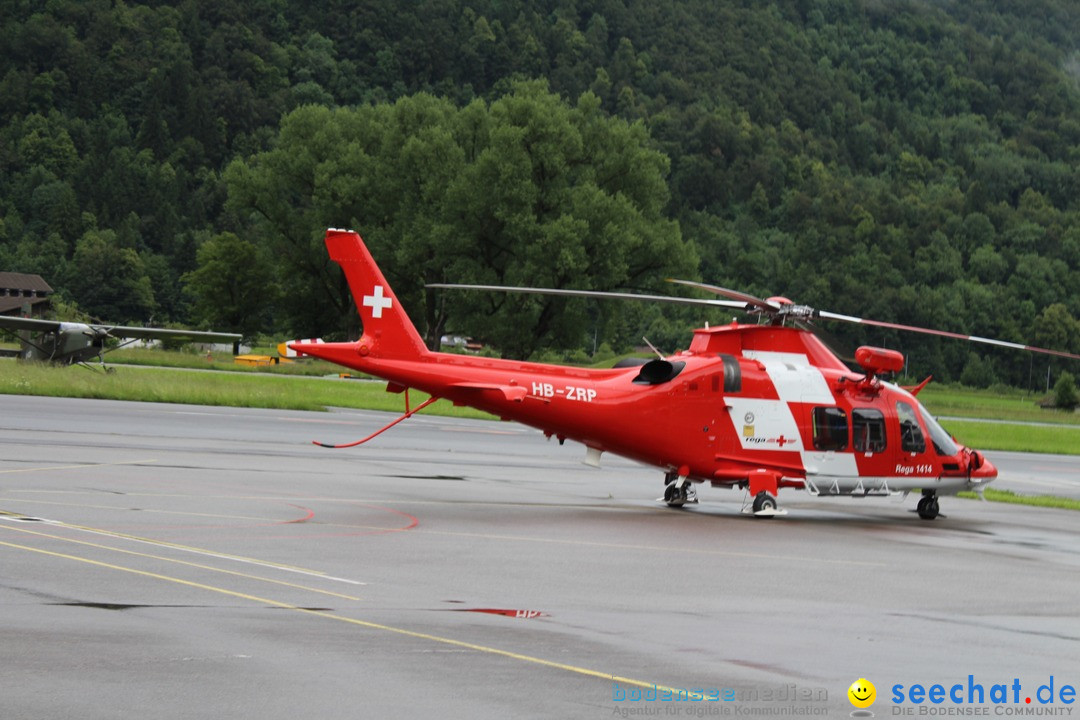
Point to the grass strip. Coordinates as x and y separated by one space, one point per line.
219 361
1008 496
1057 439
1008 404
194 387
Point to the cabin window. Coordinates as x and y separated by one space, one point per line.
830 428
868 430
911 436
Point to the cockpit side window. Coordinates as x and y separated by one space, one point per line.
911 436
939 437
868 430
830 428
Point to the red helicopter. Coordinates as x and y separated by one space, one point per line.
753 406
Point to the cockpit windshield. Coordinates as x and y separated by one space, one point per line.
943 442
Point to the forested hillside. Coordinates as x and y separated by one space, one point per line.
908 161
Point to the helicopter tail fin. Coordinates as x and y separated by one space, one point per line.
388 331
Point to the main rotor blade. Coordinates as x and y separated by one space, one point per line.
592 294
742 297
944 333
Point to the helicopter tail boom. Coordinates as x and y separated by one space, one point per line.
388 333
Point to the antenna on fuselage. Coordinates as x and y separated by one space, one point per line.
652 347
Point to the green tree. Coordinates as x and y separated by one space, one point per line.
1056 328
109 281
525 191
1066 396
987 265
233 286
977 372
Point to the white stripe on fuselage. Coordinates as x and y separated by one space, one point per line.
794 378
774 426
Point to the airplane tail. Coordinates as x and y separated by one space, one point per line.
388 331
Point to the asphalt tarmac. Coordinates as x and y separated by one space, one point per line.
165 561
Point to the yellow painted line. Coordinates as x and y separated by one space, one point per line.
211 553
77 467
178 562
354 621
211 516
266 522
195 550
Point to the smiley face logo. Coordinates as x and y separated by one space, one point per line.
862 693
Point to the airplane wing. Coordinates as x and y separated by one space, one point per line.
9 322
117 331
143 333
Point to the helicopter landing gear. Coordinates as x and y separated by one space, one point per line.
928 506
763 487
764 501
764 505
678 491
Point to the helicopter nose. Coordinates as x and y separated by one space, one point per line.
982 470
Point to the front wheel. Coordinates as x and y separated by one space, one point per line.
674 496
928 507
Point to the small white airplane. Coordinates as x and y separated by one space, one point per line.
68 343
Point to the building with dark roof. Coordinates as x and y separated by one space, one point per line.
21 293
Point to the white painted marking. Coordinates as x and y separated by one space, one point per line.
774 356
771 425
377 302
207 553
794 378
830 464
77 467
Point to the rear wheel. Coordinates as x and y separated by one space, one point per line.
676 496
764 501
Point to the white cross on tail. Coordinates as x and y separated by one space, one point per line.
377 302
